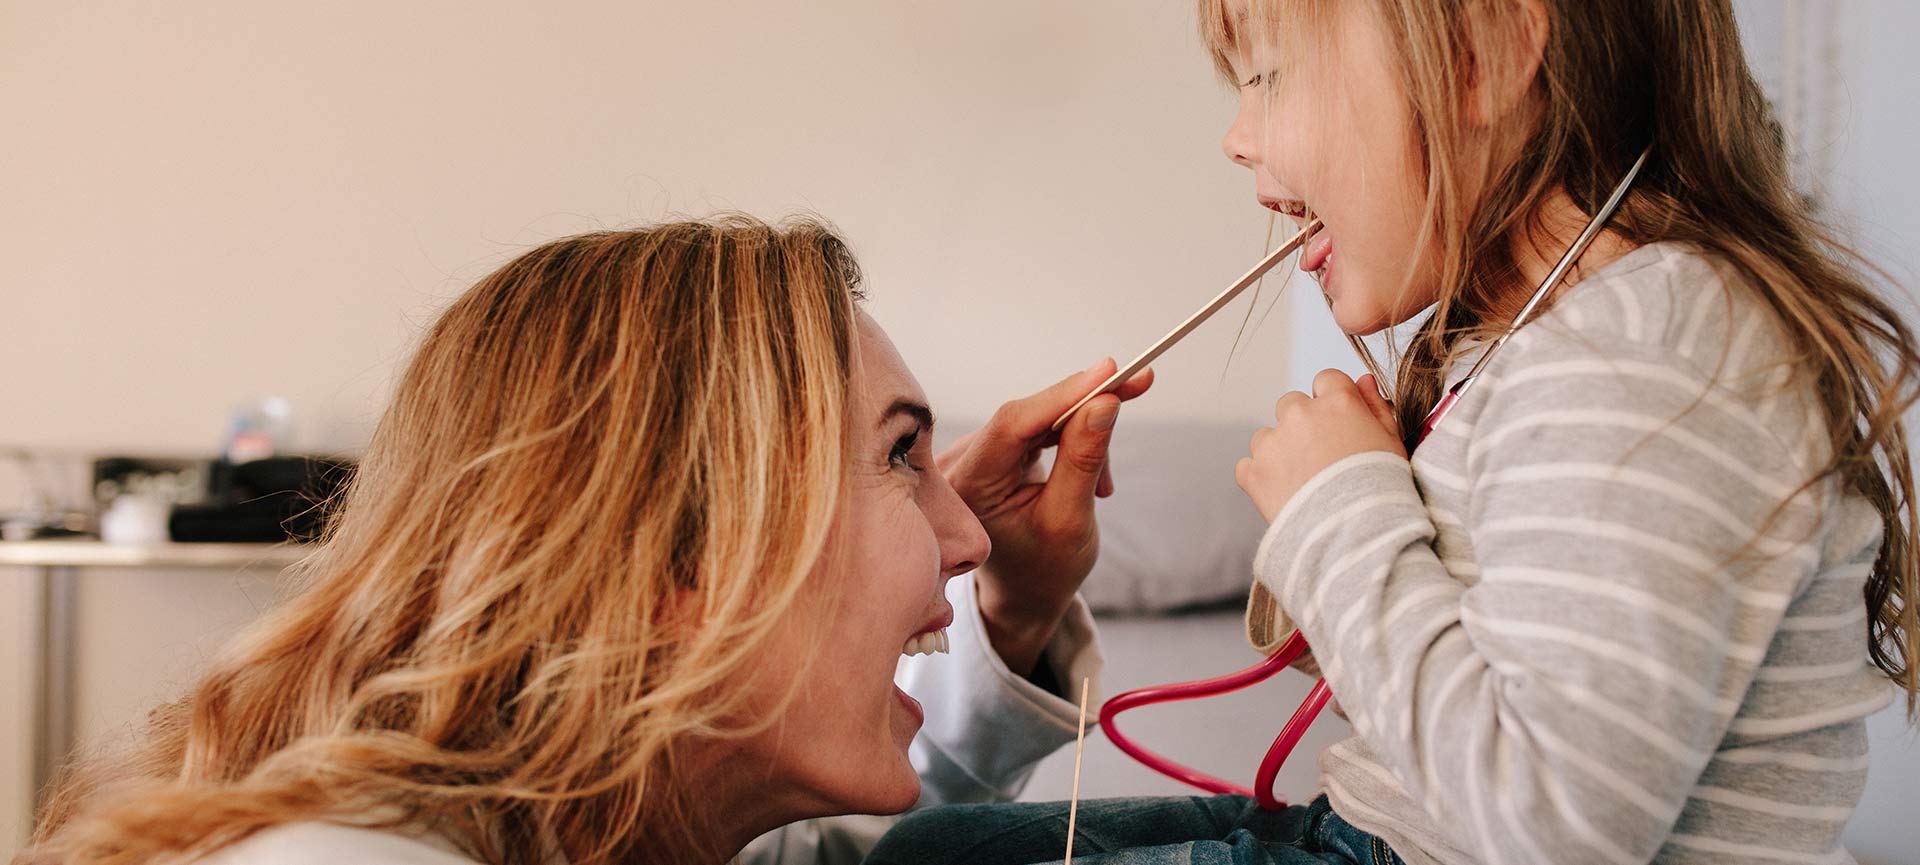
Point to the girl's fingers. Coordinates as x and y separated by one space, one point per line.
1370 392
1291 400
1330 381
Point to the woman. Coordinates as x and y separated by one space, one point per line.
625 576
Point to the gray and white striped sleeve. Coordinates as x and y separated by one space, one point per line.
1560 703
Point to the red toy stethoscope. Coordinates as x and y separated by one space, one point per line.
1296 644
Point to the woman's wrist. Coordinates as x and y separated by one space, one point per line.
1017 628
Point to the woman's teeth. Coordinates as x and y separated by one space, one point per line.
926 644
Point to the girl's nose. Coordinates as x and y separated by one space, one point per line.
1235 153
1238 145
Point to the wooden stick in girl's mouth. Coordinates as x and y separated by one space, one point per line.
1193 321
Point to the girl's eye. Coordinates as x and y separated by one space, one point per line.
1254 81
902 449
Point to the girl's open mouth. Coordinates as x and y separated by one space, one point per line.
1318 253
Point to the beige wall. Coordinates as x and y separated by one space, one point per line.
207 201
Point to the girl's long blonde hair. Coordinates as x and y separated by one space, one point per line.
605 475
1616 76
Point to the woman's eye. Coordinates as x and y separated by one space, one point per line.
902 449
1254 81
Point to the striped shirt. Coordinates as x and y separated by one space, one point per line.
1597 618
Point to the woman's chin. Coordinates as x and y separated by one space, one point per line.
891 792
885 781
902 796
897 785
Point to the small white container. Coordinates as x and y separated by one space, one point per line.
136 519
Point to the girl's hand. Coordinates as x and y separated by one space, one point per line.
1341 419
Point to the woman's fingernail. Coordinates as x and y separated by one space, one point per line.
1100 418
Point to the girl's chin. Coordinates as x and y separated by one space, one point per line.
1346 313
1356 317
1357 322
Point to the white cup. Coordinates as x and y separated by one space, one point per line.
136 519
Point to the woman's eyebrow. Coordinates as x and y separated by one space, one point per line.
917 410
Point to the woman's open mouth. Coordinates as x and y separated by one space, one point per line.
911 705
932 636
930 640
927 643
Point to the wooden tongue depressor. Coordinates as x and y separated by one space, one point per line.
1186 327
1079 746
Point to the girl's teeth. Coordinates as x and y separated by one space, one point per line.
928 643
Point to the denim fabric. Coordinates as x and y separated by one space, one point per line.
1147 831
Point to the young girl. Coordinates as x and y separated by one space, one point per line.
1631 600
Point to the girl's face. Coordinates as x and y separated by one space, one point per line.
902 533
1324 124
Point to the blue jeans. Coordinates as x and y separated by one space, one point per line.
1197 830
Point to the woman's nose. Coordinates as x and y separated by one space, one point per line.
964 544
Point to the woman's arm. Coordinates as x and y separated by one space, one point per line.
1041 521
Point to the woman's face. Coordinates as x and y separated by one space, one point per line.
1324 123
901 535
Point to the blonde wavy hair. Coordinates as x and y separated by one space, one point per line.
1616 76
608 471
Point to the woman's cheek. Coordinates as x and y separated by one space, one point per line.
926 508
910 557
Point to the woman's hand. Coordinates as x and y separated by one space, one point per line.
1044 536
1341 419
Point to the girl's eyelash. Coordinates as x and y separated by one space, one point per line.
1262 78
902 448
